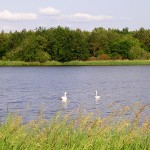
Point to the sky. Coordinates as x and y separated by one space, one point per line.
83 14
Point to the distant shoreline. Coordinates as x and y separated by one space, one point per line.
78 63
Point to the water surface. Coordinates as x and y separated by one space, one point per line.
30 89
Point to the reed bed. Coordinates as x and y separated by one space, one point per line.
108 63
78 63
81 132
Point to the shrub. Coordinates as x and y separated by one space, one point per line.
117 57
136 52
103 57
42 56
146 55
92 58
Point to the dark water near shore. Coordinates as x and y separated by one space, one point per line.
30 89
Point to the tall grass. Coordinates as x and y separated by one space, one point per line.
108 63
22 63
76 133
78 63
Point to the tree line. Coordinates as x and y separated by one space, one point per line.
64 44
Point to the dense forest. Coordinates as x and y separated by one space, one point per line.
64 44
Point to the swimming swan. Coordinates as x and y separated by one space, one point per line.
64 98
96 96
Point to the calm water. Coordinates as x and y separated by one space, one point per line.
29 89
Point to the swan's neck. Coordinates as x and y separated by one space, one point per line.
65 94
96 93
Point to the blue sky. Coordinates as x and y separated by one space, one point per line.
83 14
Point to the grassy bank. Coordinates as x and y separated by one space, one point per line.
81 132
78 63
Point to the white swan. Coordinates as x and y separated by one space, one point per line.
96 96
64 98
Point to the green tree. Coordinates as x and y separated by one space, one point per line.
3 40
144 37
123 45
41 56
66 45
113 37
98 41
33 49
79 45
136 52
63 44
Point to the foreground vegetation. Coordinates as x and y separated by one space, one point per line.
63 44
115 132
78 63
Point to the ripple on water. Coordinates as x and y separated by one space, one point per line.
43 86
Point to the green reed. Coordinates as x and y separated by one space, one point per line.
83 131
78 63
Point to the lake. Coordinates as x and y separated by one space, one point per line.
28 90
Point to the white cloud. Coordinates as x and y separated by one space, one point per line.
80 17
77 17
49 11
87 17
7 15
